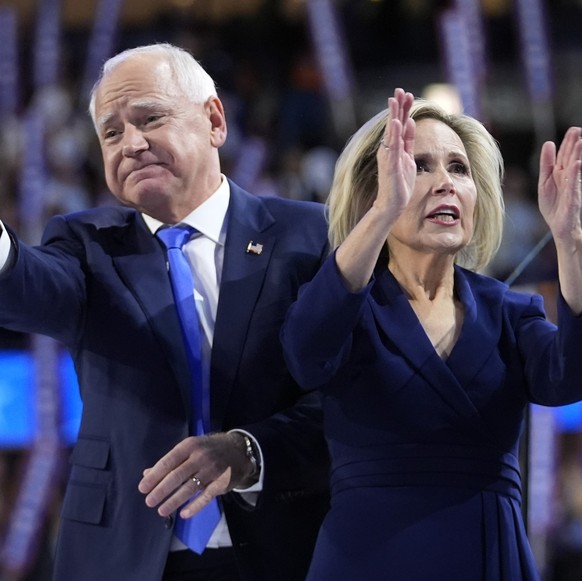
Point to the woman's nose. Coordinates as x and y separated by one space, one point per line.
444 183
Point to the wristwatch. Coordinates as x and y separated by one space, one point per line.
253 455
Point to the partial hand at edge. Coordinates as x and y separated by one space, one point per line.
559 193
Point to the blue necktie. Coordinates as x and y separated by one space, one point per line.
196 531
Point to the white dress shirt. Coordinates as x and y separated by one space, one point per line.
5 246
205 253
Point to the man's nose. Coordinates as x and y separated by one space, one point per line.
134 142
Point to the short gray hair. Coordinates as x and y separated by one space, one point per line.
190 76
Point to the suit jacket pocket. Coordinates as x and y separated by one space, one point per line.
89 482
91 452
84 503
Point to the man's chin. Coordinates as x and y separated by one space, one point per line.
148 201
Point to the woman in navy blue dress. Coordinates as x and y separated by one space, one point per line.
425 365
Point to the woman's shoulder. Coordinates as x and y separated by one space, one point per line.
491 290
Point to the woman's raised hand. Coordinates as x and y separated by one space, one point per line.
395 157
559 193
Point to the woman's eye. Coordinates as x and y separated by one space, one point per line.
459 167
421 166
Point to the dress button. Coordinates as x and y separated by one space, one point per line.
169 522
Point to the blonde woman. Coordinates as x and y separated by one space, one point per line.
425 365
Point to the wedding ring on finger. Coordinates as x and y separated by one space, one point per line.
197 482
383 144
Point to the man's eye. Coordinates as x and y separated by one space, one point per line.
110 133
421 166
152 118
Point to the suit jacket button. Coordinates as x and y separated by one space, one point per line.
169 522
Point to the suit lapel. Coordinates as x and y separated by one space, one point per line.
242 278
449 379
481 329
144 272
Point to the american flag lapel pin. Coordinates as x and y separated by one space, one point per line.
254 248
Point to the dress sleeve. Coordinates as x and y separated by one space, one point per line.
317 333
553 355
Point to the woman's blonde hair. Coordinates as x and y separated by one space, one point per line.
355 183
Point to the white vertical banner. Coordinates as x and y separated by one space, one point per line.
535 53
101 42
459 60
43 473
534 48
472 14
9 91
43 469
32 177
540 484
332 57
47 44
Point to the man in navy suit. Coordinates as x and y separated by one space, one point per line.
99 284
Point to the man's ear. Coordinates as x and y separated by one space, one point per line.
215 112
